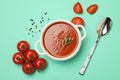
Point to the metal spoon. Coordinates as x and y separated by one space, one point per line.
103 28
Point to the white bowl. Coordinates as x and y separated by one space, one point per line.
44 52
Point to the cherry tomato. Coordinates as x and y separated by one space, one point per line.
40 63
92 8
28 68
18 58
31 55
77 21
22 46
78 8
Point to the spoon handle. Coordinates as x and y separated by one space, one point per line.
84 67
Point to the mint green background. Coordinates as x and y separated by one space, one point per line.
14 18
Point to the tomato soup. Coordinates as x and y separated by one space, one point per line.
60 39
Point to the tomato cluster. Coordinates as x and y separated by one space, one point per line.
28 58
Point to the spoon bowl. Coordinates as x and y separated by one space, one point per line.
104 26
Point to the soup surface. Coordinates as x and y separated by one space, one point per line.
60 39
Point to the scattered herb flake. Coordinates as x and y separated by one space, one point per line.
48 18
30 29
36 26
33 23
32 35
41 17
31 19
26 28
45 13
40 22
28 33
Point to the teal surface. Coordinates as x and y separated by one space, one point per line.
15 17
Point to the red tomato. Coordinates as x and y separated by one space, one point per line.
18 58
92 8
28 68
31 55
77 21
22 46
78 8
40 63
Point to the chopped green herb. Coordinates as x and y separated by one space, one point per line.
42 20
41 17
33 23
28 33
67 41
36 26
32 35
48 18
31 19
30 29
45 13
26 28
